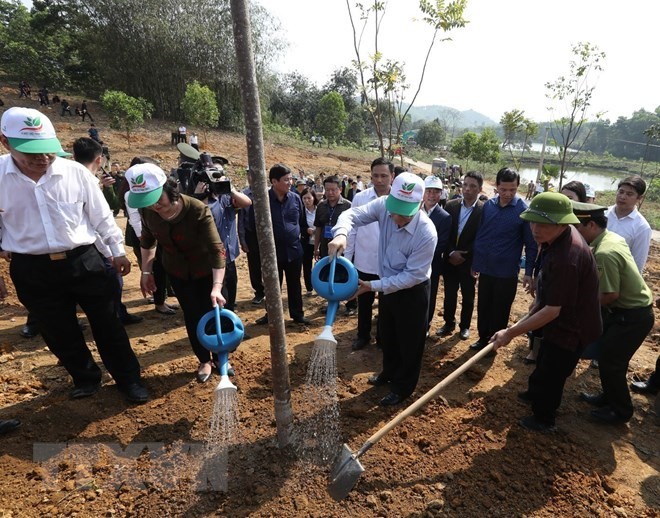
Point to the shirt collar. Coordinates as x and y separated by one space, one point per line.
471 206
428 212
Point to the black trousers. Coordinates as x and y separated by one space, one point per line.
365 304
230 285
433 295
455 279
402 327
546 383
623 333
194 296
51 289
494 305
307 261
254 264
292 271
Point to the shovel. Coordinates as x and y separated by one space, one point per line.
347 468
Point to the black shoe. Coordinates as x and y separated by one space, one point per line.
464 334
445 330
593 399
525 397
478 345
391 399
377 381
85 390
262 321
349 312
606 415
535 425
302 320
644 387
257 300
29 331
8 425
131 319
529 361
360 343
135 393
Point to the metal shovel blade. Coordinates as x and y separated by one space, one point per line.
344 474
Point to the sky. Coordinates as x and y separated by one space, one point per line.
500 61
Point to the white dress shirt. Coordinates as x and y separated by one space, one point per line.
65 209
635 230
362 247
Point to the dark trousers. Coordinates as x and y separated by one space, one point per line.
230 285
254 264
623 333
455 279
307 261
494 305
292 271
402 327
194 296
365 304
435 283
87 114
654 379
51 289
546 384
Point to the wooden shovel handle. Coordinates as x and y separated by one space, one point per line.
428 396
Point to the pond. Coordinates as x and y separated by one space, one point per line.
598 179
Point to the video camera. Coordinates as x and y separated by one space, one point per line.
206 169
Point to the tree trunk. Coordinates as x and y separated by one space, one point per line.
256 160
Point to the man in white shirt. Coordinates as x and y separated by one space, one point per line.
52 213
362 248
624 219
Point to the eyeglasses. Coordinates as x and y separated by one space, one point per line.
542 214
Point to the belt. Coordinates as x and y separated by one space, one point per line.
57 256
630 310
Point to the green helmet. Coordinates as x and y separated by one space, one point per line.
550 207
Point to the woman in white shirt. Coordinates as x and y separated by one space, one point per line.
307 236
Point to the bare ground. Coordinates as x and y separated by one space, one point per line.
462 455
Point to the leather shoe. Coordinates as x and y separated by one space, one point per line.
29 331
82 391
135 392
478 345
131 319
535 425
445 330
593 399
391 399
302 320
202 374
606 415
262 321
464 334
8 425
359 343
377 380
525 397
644 387
258 299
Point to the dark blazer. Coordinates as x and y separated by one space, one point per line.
466 239
442 222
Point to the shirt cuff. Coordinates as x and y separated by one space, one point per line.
377 285
117 250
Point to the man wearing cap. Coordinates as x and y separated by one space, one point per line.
442 222
53 211
497 250
406 246
626 301
566 308
465 216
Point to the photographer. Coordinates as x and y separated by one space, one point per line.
223 206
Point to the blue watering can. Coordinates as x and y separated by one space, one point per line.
229 331
334 279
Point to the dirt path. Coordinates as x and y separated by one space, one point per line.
462 455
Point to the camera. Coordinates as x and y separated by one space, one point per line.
208 170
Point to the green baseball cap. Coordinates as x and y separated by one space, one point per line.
550 207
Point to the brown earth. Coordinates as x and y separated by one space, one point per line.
462 455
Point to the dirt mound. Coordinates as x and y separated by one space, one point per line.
462 455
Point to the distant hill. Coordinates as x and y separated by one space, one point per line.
467 118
